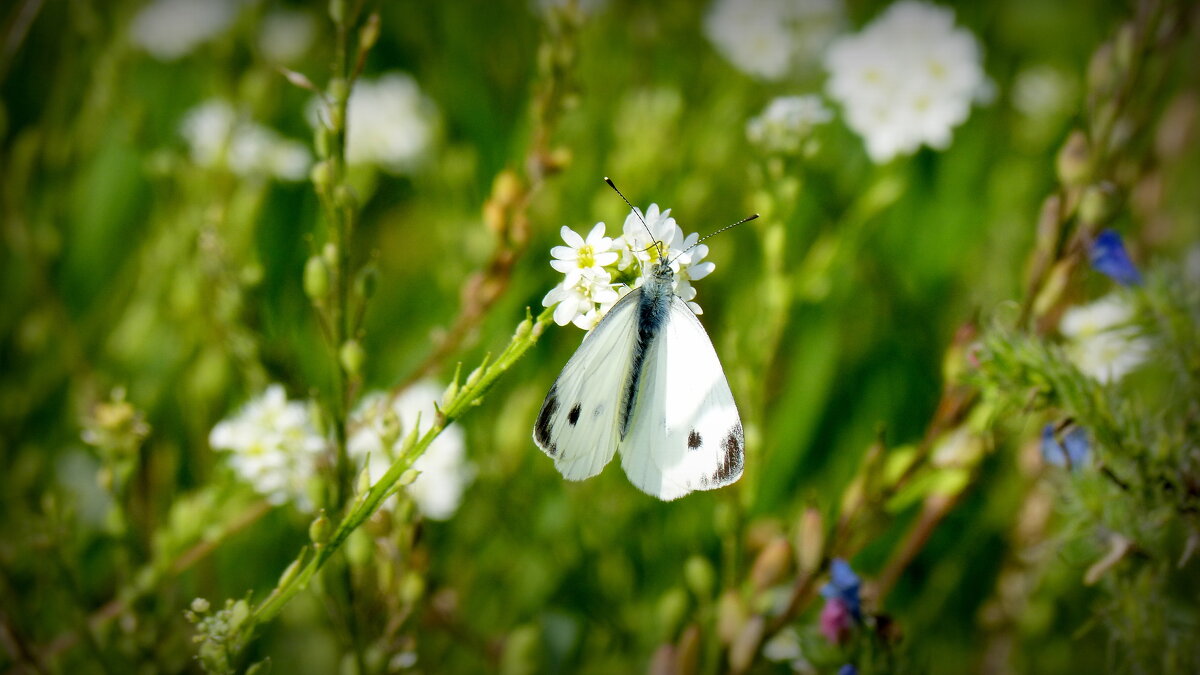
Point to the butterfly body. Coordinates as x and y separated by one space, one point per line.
647 383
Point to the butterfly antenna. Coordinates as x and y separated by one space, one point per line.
636 212
713 234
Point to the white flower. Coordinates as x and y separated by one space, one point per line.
686 262
579 254
169 29
390 123
444 469
640 234
771 38
907 79
217 137
583 301
1043 90
787 122
286 35
273 446
1103 342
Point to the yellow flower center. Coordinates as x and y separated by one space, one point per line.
587 256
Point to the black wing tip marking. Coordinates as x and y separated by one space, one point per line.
731 464
542 429
573 416
694 440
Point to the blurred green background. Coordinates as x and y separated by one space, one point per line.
128 264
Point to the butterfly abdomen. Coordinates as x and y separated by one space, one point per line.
654 304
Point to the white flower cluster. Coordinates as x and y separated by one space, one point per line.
1102 340
272 445
787 123
770 39
169 29
444 470
389 123
217 136
598 270
907 79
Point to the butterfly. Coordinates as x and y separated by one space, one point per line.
646 383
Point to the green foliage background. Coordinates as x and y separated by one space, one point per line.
124 265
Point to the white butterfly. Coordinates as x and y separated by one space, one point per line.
645 382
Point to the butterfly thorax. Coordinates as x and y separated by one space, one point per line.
654 304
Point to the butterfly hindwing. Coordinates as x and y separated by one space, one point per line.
685 433
578 422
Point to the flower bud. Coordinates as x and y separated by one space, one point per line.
321 141
1101 72
1098 203
523 329
506 188
772 564
200 606
412 587
320 529
337 10
731 615
321 176
687 651
699 575
367 281
407 478
290 572
352 356
672 607
345 197
316 278
1053 288
745 645
369 34
363 484
390 428
1074 160
810 540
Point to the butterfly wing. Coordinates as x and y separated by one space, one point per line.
577 425
685 433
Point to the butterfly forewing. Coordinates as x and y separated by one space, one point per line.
685 433
578 425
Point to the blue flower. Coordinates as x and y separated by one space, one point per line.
843 586
848 669
1071 452
1109 257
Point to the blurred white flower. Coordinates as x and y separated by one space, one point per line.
907 79
769 39
286 35
584 300
1103 342
390 123
273 445
787 122
579 254
216 136
444 470
689 266
1043 91
169 29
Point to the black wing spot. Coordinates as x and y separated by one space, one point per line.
731 464
693 440
599 409
552 450
541 430
573 416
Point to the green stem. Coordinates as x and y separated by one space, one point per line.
470 394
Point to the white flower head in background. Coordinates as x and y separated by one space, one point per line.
273 446
444 472
286 35
170 29
1044 91
390 123
616 266
217 136
787 123
770 39
1103 341
907 79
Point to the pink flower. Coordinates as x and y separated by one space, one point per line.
836 621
